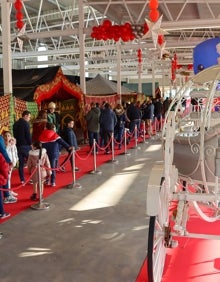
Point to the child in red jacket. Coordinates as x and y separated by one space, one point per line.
4 171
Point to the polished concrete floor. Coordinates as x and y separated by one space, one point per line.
96 233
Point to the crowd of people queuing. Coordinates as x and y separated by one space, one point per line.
24 147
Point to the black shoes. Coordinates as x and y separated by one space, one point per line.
33 197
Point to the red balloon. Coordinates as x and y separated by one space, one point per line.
93 35
19 15
125 37
94 28
19 24
154 15
105 37
107 23
18 5
153 4
132 37
127 25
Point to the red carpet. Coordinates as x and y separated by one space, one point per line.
84 161
194 260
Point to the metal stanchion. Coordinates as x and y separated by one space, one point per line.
157 129
136 138
41 205
125 151
95 171
74 184
144 129
113 160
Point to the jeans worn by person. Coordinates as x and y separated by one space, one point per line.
23 152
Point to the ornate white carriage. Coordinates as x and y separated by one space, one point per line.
190 172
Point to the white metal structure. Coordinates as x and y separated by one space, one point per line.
63 27
191 169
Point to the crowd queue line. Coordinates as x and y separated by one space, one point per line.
103 125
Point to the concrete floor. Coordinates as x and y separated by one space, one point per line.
97 233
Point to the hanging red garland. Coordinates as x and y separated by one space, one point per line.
19 15
160 39
18 5
139 54
154 13
153 4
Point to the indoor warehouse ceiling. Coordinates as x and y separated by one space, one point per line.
54 26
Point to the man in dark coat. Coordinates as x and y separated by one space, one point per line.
107 121
93 126
21 132
134 115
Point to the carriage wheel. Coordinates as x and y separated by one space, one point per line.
158 237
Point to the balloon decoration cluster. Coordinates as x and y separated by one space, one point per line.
125 32
154 13
19 15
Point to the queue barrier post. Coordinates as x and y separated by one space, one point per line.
95 171
74 184
41 205
113 160
125 141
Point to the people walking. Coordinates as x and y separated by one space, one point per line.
134 115
4 170
39 124
107 121
158 110
11 149
148 116
52 142
35 155
120 124
53 116
21 132
93 126
69 137
8 198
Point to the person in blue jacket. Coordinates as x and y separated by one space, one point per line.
69 136
52 142
107 122
8 198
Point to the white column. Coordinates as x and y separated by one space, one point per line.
139 77
163 80
153 80
119 70
82 48
6 47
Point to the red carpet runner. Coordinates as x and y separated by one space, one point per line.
194 260
84 161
